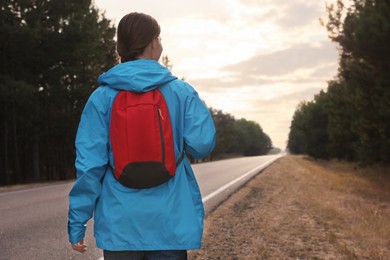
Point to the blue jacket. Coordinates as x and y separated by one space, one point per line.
166 217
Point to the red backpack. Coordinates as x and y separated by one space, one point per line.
142 140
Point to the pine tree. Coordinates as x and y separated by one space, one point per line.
51 51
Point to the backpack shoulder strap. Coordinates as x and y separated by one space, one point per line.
181 158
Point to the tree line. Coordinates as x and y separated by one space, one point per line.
52 52
238 137
351 120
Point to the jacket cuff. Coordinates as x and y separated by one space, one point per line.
76 232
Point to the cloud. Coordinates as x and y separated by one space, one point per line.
287 14
286 61
299 14
162 11
301 65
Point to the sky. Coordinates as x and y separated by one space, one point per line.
253 59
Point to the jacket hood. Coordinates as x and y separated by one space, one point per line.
137 76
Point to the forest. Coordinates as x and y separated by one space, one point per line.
52 52
351 119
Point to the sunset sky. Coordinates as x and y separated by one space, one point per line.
255 59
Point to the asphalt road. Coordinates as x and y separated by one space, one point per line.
33 221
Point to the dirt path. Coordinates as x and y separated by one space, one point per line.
302 209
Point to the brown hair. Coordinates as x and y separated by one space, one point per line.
135 32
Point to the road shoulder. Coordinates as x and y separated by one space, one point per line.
299 209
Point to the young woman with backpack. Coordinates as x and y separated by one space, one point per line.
160 220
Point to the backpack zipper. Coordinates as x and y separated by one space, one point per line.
160 113
160 117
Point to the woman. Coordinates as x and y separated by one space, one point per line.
161 222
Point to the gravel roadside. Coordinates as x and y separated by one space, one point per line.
303 209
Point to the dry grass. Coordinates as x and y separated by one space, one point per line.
303 209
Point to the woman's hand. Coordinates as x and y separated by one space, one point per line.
80 246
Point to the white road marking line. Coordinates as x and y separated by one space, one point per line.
224 187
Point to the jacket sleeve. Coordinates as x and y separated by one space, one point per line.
92 148
199 129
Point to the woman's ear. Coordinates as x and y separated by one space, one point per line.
157 48
156 42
